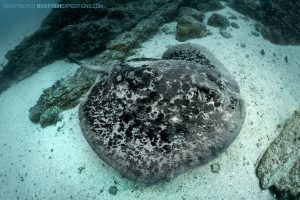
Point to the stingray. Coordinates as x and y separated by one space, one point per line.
153 119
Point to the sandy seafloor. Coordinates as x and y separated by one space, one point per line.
39 163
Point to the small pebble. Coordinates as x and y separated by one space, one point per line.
255 33
278 126
262 52
113 190
235 25
80 169
286 59
215 168
224 33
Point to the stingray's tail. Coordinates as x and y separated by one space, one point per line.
87 66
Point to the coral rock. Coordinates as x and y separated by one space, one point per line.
189 28
218 20
186 11
279 167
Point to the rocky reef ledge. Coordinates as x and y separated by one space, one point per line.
279 18
83 33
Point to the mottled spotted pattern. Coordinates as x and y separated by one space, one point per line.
159 119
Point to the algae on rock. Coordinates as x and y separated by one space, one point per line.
50 116
279 167
64 94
